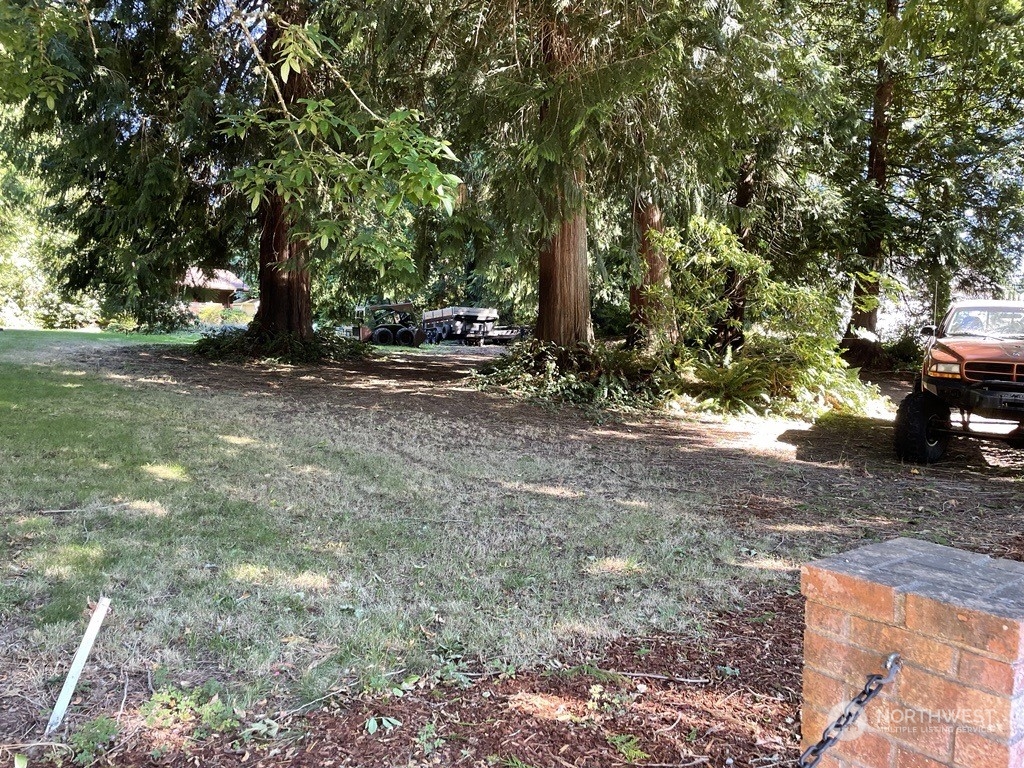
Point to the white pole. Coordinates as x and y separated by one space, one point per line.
77 665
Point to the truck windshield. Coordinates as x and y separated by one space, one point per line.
1001 322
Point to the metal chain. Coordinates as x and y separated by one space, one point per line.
813 754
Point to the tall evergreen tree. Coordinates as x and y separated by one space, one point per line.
541 84
177 120
936 89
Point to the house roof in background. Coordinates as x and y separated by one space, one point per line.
217 280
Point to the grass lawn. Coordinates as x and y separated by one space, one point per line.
34 346
271 535
284 550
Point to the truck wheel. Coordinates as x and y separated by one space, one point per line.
406 337
383 336
921 428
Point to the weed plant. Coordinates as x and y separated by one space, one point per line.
91 739
202 710
905 352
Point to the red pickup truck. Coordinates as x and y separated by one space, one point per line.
974 366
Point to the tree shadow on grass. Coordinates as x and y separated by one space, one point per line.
334 506
867 443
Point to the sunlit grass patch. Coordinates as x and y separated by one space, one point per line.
614 566
35 346
166 471
286 550
237 440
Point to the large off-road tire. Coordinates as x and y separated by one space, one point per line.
922 428
406 337
383 336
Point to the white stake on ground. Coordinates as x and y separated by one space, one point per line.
77 665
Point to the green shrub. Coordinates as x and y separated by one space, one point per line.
906 352
122 323
610 320
229 316
210 314
699 261
159 318
791 376
788 364
167 318
216 314
77 311
250 344
602 375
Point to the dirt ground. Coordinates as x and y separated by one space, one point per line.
730 697
821 486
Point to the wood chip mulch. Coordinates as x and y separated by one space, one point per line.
730 698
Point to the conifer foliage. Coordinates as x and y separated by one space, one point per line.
847 147
185 132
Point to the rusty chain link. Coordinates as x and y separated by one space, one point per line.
813 754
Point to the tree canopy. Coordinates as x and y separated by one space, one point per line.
527 155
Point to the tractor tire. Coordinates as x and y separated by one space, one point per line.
406 337
921 431
383 336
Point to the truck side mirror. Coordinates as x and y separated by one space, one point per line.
928 330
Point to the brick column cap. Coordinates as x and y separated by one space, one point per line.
932 571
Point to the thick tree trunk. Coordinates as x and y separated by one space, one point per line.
285 306
564 311
866 293
285 300
563 315
729 328
650 306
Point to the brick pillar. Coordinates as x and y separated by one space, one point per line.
955 618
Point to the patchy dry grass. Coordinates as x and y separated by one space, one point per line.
287 552
271 534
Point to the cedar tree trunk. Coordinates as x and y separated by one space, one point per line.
285 301
874 215
564 311
285 306
649 306
563 315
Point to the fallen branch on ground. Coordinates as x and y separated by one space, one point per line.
76 509
668 678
